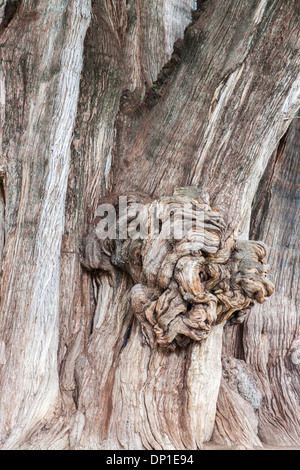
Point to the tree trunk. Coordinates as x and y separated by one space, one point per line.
94 100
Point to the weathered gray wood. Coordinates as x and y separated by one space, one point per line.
152 142
268 342
41 60
213 118
107 56
276 329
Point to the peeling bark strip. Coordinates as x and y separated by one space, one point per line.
41 95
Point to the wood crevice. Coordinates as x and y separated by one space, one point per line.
10 10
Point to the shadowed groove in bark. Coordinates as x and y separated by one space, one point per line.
8 9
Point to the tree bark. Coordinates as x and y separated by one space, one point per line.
41 59
266 346
94 100
277 357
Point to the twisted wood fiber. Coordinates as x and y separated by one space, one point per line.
182 287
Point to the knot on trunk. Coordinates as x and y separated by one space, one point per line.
186 276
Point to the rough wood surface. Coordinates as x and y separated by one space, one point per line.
40 85
75 371
275 216
276 219
267 343
186 279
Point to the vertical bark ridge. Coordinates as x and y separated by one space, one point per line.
217 94
268 341
91 149
212 85
45 83
275 328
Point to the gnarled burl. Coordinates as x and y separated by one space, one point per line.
186 276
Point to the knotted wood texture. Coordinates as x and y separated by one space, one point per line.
183 288
41 62
185 279
221 138
89 111
256 345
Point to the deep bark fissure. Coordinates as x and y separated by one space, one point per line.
126 337
10 9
